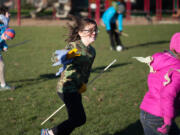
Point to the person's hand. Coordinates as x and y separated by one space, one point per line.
118 32
83 88
5 49
164 129
72 53
7 14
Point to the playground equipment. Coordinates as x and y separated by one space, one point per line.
61 7
128 9
101 5
19 12
94 10
159 9
97 7
175 5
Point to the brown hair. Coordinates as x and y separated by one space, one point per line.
79 24
3 10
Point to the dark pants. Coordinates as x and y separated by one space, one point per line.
76 114
150 124
114 36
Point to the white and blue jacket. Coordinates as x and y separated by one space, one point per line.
2 41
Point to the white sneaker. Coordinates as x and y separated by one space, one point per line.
119 48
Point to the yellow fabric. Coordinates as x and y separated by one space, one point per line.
72 53
83 88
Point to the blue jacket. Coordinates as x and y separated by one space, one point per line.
2 42
110 16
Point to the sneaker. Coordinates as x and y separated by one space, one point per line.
6 87
44 132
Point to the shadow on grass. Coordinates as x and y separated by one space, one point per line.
99 69
27 82
46 77
132 129
147 44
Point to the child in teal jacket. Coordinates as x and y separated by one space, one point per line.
109 17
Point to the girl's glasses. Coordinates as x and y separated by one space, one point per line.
92 30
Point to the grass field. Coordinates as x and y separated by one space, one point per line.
111 102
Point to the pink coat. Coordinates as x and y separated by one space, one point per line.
163 96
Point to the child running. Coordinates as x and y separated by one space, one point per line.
109 17
77 58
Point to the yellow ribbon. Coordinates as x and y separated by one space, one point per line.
72 53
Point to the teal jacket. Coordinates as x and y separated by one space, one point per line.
111 15
2 41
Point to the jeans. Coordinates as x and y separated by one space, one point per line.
150 124
76 114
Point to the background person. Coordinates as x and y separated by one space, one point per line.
109 17
5 34
162 101
75 74
8 34
4 17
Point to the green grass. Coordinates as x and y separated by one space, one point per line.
111 102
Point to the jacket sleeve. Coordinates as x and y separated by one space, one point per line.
168 95
107 22
3 45
5 20
120 22
108 16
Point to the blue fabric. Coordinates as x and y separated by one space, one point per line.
120 22
44 132
2 42
3 45
2 29
61 60
110 16
5 20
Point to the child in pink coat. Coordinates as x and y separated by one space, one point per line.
162 101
